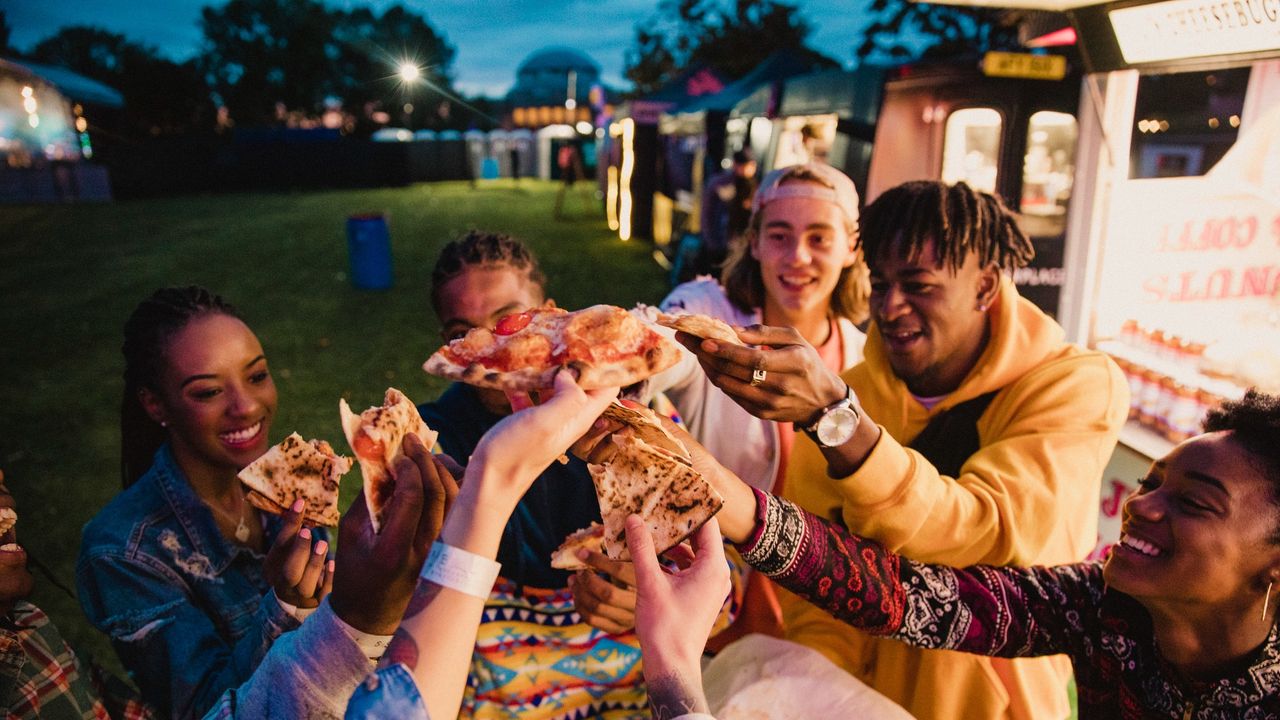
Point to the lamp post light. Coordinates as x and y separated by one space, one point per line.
409 73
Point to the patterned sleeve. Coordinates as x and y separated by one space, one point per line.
994 611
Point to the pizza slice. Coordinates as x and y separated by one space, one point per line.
606 345
375 436
294 469
671 497
643 423
588 538
703 326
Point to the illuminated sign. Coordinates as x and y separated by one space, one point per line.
1180 29
1023 65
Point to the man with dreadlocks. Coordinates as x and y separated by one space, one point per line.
971 434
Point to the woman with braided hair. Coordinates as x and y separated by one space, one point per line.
970 434
189 581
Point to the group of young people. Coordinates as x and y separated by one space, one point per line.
889 497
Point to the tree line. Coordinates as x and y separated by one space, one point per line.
273 62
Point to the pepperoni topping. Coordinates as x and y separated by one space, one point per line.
366 447
513 323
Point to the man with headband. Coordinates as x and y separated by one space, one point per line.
796 267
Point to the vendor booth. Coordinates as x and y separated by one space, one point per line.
692 141
633 152
1004 123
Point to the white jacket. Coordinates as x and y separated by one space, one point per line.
741 442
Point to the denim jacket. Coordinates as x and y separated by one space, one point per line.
189 613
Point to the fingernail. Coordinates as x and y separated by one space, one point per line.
321 547
305 533
298 505
330 566
583 553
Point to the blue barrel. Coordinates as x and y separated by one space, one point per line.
369 250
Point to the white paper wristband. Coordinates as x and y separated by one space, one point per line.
457 569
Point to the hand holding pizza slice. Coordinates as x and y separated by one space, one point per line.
294 469
605 345
642 468
375 436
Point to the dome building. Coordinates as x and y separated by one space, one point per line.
553 86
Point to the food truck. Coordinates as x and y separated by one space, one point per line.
1172 253
1004 123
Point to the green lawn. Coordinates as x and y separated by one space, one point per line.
72 274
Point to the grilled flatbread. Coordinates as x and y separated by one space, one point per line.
297 469
671 497
375 436
644 424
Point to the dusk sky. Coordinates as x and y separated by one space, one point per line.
492 36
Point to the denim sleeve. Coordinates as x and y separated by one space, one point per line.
388 693
171 647
308 673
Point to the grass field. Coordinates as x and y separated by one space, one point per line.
71 274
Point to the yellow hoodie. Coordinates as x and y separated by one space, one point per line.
1029 496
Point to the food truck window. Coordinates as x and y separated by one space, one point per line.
1047 168
805 138
971 146
1185 122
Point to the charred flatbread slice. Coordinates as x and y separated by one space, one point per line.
294 469
375 436
645 425
672 498
566 556
703 326
606 345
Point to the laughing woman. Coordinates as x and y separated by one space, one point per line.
187 579
1178 623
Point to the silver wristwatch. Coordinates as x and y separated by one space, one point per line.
837 423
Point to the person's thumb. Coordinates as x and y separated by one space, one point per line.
643 554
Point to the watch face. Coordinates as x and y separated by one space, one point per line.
836 427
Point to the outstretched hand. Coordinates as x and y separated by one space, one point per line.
796 385
516 450
376 573
674 615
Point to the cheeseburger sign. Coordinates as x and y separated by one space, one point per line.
1180 29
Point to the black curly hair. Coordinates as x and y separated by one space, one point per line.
1254 422
146 338
478 247
957 218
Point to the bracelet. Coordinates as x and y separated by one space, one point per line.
457 569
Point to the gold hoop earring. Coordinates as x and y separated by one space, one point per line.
1266 600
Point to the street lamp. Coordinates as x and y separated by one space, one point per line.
409 72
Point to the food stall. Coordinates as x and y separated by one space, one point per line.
1173 240
829 116
1004 123
631 151
692 141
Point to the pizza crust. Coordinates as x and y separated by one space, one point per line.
566 556
644 424
703 326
